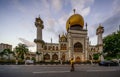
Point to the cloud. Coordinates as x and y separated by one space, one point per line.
54 13
56 4
26 42
112 23
85 11
82 6
116 6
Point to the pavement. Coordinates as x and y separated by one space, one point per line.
58 71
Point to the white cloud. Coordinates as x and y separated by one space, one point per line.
49 24
56 4
116 6
85 11
26 42
80 6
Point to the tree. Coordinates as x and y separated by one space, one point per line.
112 44
7 52
20 51
2 54
96 56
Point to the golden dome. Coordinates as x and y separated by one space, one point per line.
75 19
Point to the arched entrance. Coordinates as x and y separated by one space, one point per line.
55 57
77 59
46 56
78 47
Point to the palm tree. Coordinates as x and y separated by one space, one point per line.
7 52
2 54
20 51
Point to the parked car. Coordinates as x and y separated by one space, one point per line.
29 62
108 63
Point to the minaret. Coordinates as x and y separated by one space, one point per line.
39 42
99 32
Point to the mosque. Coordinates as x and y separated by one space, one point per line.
73 44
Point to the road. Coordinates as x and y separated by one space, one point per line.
58 71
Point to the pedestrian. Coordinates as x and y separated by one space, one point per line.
72 65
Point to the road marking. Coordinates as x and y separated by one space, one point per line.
51 72
101 70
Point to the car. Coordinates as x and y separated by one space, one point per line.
29 62
108 63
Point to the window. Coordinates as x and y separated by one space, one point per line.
46 56
53 48
45 47
55 57
78 47
56 47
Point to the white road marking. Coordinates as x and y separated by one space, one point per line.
101 70
51 72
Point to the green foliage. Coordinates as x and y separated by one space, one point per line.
20 51
96 56
112 44
6 52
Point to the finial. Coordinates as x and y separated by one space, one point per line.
59 35
86 25
119 27
51 40
100 24
74 11
39 15
63 33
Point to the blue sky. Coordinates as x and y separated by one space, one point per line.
17 18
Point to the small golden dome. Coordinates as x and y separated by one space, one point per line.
75 19
63 38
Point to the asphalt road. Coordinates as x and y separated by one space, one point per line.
58 71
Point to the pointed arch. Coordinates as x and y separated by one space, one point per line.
77 59
55 57
78 47
46 56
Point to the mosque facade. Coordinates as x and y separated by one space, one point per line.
73 44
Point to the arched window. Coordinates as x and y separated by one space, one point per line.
61 46
56 47
49 47
53 48
46 56
64 47
78 47
45 47
55 57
